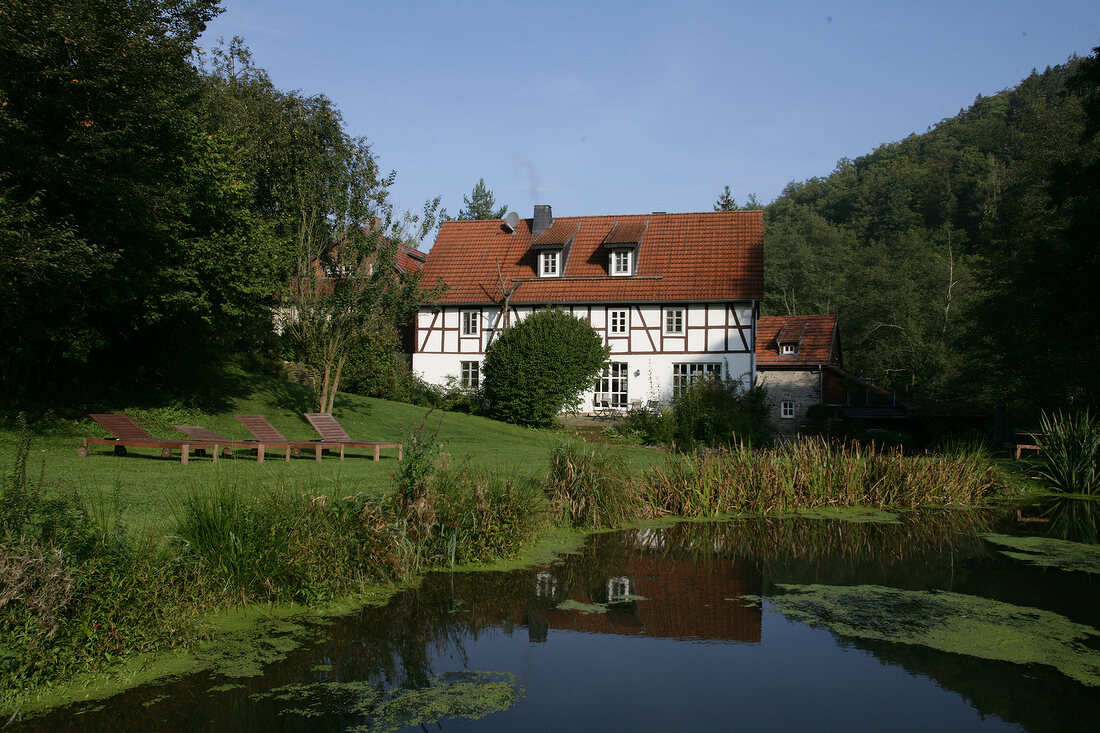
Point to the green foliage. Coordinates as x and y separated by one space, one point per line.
481 204
726 202
925 246
590 487
808 474
1070 452
535 368
714 411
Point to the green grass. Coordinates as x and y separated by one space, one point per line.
141 488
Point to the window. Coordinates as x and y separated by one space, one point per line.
471 374
685 375
471 320
620 262
620 589
786 348
674 320
617 322
612 382
786 409
548 264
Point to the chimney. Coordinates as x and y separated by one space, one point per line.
543 219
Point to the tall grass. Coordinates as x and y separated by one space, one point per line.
809 474
590 487
1070 452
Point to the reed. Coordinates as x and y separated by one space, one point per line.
812 473
591 487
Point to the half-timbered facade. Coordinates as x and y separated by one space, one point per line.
674 296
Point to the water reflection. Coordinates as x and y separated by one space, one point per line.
1076 519
563 630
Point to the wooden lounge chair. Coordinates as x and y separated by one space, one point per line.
332 434
129 434
264 432
201 433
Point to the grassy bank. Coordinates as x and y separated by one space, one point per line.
105 557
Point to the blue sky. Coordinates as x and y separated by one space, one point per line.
620 108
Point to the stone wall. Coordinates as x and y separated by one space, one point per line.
802 387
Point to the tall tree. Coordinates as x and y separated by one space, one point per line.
96 116
726 202
481 204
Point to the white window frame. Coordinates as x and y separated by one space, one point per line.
786 409
550 264
787 349
618 321
673 320
685 374
622 262
471 323
469 374
613 383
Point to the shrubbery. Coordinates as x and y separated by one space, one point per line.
711 411
538 366
1070 452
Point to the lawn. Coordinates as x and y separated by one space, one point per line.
143 489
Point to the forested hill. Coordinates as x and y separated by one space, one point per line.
963 261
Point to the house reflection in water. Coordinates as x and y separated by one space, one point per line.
653 594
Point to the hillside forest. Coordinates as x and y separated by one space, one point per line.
156 201
963 262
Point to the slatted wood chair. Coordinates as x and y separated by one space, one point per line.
601 405
201 433
264 432
128 434
333 434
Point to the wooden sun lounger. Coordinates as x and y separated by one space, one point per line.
264 432
333 434
128 434
201 433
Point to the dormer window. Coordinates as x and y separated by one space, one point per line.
550 263
621 262
787 349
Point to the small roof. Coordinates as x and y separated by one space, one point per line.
817 339
710 256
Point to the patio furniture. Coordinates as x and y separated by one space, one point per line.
197 431
264 432
601 405
635 404
333 434
128 434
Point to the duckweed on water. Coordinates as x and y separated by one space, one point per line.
858 514
587 608
949 622
1049 553
469 694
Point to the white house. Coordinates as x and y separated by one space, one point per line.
675 296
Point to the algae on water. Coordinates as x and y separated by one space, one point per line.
949 622
857 514
467 694
1049 553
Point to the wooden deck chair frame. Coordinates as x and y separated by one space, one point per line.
266 433
128 434
333 434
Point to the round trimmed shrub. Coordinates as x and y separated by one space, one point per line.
538 366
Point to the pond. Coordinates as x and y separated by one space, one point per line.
927 620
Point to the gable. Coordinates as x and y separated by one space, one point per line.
711 256
816 341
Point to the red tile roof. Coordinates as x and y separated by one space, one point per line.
817 339
712 256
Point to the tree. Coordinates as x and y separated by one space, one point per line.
97 119
535 368
726 202
480 204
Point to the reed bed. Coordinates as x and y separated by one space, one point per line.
809 474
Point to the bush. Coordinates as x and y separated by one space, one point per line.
1070 452
538 366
